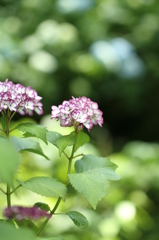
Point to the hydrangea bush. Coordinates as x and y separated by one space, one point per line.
90 178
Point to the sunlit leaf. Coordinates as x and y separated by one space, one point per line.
64 141
52 137
45 186
10 160
91 185
82 138
92 162
23 144
79 219
91 178
33 130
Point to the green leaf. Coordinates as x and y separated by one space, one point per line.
10 221
52 137
3 121
64 141
42 206
9 232
92 162
68 140
79 219
91 185
33 130
22 144
82 138
27 224
10 161
91 177
48 187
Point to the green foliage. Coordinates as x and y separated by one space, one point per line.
68 140
9 232
29 145
10 161
82 138
91 178
33 130
52 137
92 162
3 120
42 206
26 224
78 219
129 105
64 141
45 186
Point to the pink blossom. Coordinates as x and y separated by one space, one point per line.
79 112
20 213
18 98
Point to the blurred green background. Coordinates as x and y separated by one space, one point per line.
108 51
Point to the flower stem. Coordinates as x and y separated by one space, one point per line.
8 193
15 188
12 130
59 199
47 219
79 155
2 190
12 115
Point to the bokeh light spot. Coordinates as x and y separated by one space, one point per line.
125 211
43 61
31 43
74 5
109 227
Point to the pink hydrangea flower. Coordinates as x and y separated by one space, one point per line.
79 112
20 213
18 98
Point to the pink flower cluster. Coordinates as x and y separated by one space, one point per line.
20 213
18 98
81 112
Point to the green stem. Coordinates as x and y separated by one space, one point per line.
47 219
16 188
69 166
12 130
79 155
12 115
69 170
66 155
70 163
2 112
59 199
2 190
8 193
56 205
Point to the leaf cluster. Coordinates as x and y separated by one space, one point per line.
91 177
